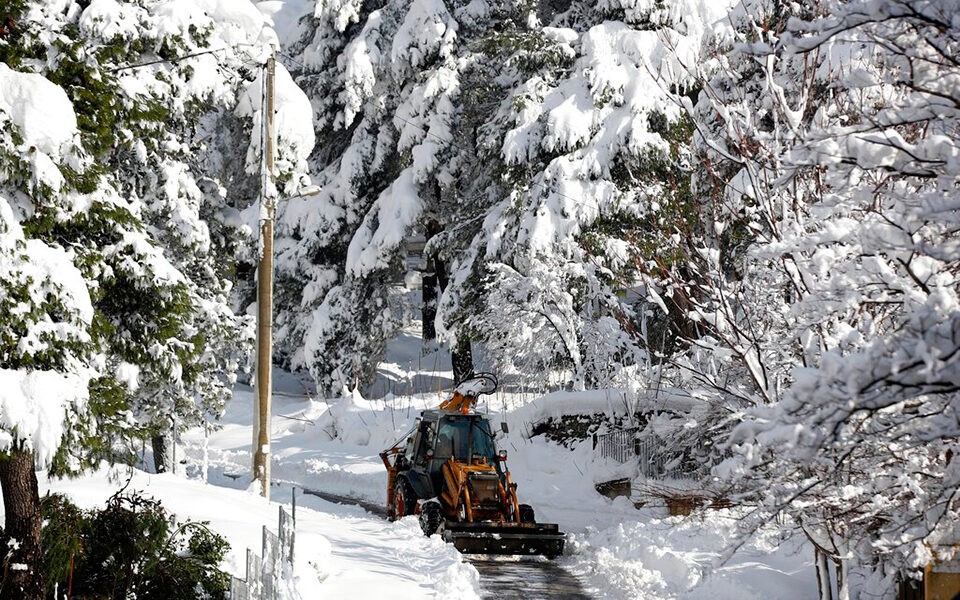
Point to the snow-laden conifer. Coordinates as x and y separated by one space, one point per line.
120 240
531 138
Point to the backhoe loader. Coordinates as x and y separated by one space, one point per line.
448 471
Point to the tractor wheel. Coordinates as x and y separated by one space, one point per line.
431 517
404 500
526 514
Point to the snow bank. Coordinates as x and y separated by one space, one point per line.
678 558
611 402
341 551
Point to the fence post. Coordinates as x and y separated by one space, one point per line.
264 574
270 576
293 530
239 590
286 537
254 582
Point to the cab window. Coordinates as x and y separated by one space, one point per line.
464 438
425 441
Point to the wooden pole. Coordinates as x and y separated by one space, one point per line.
264 383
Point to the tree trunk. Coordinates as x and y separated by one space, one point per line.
843 582
433 284
436 279
462 358
161 453
824 587
428 310
22 574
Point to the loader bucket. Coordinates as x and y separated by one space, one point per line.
508 538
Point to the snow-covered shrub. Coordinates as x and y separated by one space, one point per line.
131 548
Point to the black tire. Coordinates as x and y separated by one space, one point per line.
526 514
404 500
431 517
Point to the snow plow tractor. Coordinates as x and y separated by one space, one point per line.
448 471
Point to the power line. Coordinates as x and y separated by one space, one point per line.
420 128
292 59
173 60
177 59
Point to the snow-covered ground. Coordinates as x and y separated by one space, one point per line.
343 551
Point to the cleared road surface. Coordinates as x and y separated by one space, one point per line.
501 578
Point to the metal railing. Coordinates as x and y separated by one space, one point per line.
620 444
655 463
655 458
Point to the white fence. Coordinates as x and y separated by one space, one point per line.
265 571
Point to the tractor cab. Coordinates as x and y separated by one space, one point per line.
441 435
467 439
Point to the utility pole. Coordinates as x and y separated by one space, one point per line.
264 381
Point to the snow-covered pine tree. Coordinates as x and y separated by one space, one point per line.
117 242
47 356
165 160
382 82
46 349
588 153
165 136
533 135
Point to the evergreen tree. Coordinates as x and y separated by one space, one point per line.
533 136
383 137
111 178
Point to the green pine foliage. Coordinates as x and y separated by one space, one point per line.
527 51
131 548
161 298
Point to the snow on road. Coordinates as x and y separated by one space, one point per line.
616 550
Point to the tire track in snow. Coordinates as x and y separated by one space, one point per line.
500 578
